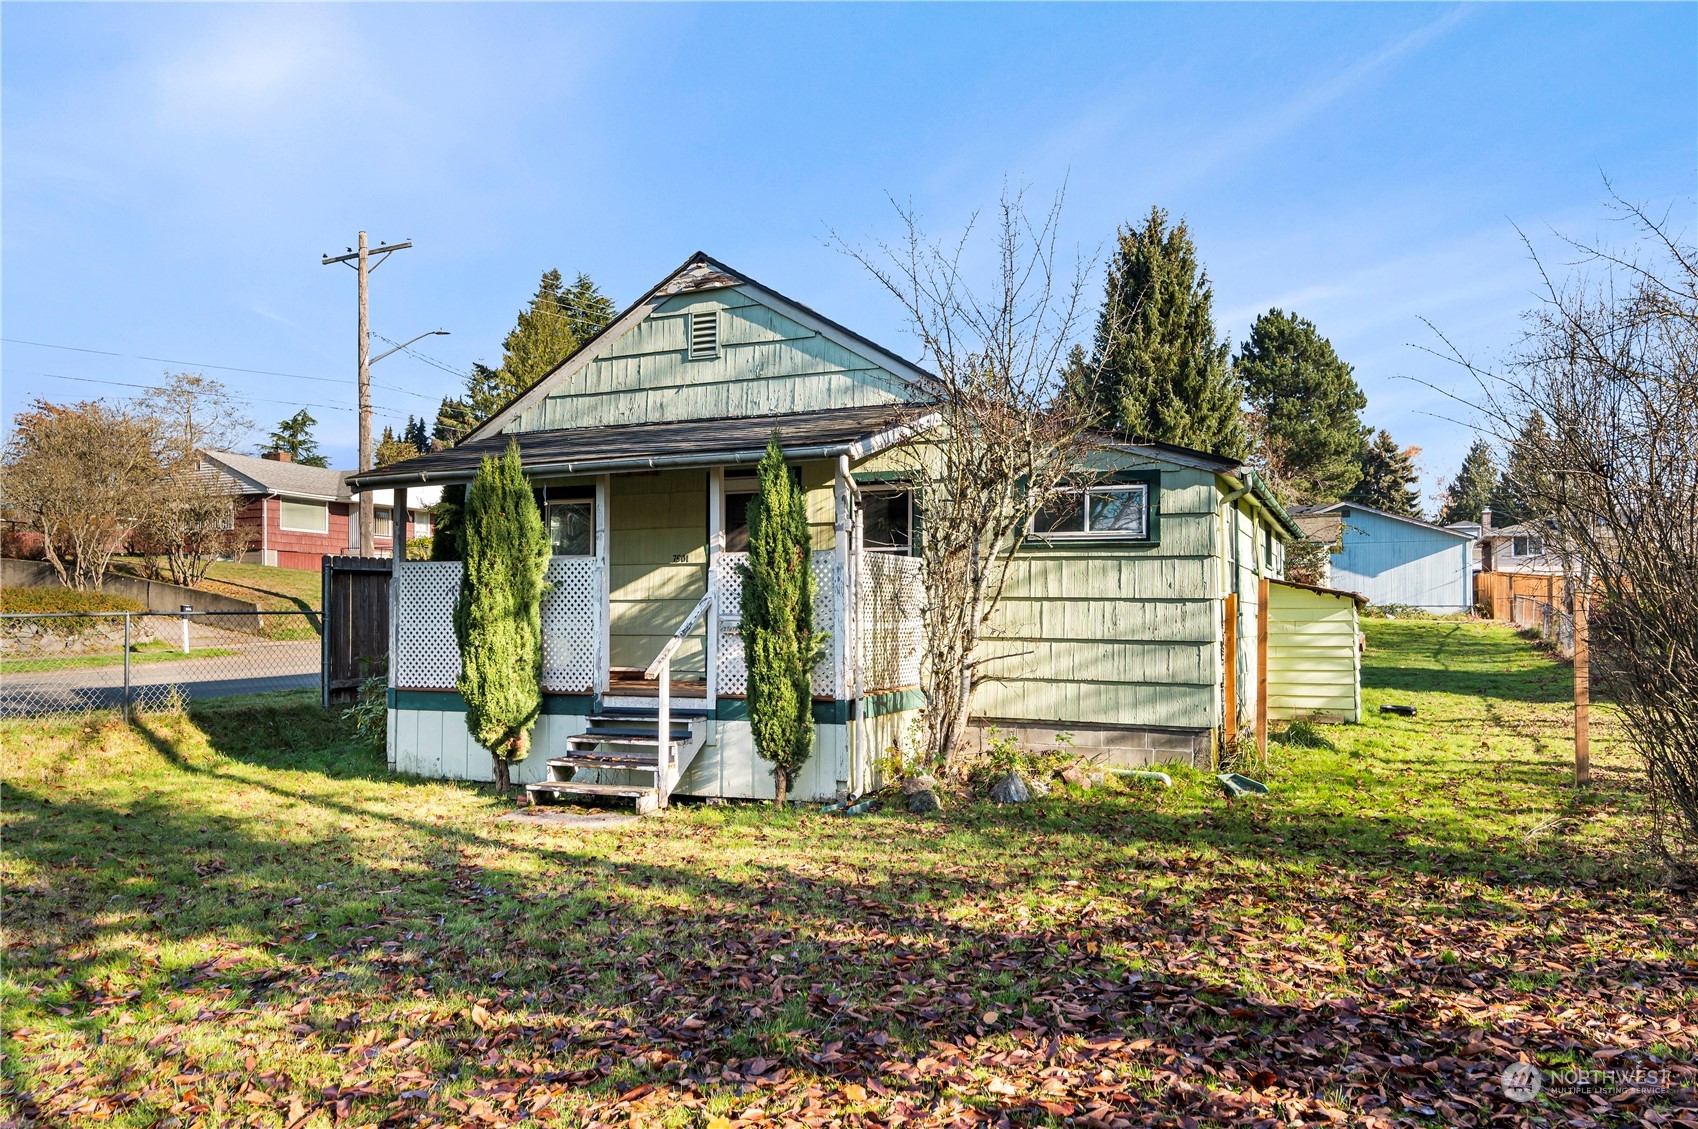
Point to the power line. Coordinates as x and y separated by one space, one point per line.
234 395
221 368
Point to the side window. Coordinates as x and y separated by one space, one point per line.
569 513
1121 510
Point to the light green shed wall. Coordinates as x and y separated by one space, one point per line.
768 364
657 558
1115 634
1314 667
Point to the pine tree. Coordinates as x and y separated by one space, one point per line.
551 328
453 420
779 642
445 523
1388 477
393 450
1475 484
416 434
294 438
1305 405
498 617
1160 373
1523 479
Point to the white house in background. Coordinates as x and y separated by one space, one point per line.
1519 548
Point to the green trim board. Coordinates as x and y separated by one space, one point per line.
896 701
450 701
826 712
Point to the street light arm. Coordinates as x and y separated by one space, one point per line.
409 341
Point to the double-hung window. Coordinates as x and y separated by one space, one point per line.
1120 510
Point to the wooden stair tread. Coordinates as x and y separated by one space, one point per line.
572 787
652 742
598 758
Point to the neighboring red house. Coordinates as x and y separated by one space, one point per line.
299 514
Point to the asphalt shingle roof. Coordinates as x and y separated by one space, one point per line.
284 478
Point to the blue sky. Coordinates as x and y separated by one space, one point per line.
172 173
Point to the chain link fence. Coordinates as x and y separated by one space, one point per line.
1552 622
73 662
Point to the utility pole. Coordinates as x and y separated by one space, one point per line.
362 263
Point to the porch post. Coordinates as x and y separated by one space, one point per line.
604 635
715 546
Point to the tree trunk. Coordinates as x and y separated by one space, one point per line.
783 782
503 777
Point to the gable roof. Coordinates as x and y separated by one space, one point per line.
268 476
1347 507
856 432
698 273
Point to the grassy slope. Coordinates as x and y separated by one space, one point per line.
273 589
239 916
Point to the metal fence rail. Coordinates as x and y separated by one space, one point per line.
72 662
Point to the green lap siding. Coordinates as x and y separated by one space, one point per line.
1313 662
768 364
1114 634
657 566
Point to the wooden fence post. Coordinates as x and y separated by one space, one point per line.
1262 670
1229 715
1582 693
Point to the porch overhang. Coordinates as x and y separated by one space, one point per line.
855 432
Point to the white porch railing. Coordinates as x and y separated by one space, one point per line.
666 771
731 675
427 655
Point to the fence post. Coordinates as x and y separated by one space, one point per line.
183 611
1582 692
126 705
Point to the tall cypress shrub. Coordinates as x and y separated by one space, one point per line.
498 617
779 641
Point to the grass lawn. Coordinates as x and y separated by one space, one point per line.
238 917
156 651
273 589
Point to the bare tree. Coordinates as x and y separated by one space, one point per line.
1012 438
190 514
80 475
1609 367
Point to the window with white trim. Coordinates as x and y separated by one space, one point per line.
1119 510
704 335
298 515
1526 546
380 521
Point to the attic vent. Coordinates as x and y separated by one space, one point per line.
704 335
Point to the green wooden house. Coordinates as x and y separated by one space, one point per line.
1130 618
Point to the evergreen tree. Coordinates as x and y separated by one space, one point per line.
416 434
393 450
498 617
1160 372
445 524
294 438
551 328
1523 479
1305 406
1475 484
1388 477
779 642
453 420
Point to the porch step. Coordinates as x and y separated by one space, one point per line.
651 740
644 800
616 759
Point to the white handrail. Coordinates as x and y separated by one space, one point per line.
683 631
661 670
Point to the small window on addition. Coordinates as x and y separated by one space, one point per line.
1102 511
887 521
570 514
704 335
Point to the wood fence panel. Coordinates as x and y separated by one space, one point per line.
356 623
